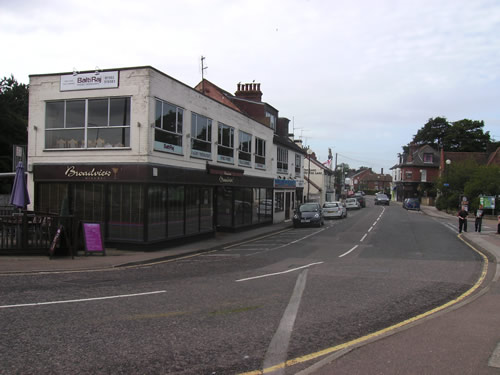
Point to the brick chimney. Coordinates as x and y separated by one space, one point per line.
282 127
249 91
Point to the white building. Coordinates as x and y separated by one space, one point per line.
148 157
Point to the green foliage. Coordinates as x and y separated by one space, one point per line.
13 119
433 133
462 136
469 179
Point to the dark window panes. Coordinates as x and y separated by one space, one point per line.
169 118
225 207
119 111
98 112
157 213
88 202
158 106
75 114
192 210
169 138
201 146
126 212
175 208
245 156
206 210
225 151
54 115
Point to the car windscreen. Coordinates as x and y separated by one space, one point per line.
382 196
330 205
309 208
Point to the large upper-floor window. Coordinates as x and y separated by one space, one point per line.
282 158
225 144
260 153
245 149
201 136
428 158
168 127
298 164
88 123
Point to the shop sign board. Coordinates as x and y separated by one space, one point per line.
92 235
89 81
487 202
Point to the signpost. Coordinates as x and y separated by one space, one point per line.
92 235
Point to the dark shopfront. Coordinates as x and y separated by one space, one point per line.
148 204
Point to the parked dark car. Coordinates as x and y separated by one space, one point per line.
361 199
411 204
308 214
382 199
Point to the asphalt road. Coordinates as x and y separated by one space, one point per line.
288 296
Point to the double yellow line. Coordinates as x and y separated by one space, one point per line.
384 331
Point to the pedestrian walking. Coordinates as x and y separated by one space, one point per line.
462 220
479 218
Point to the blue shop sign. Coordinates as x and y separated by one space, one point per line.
290 184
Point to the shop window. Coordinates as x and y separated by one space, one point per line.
192 209
126 212
260 153
206 209
201 136
225 144
157 213
175 209
87 123
245 149
168 127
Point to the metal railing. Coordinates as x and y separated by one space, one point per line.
29 232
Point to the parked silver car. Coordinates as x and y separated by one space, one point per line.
334 210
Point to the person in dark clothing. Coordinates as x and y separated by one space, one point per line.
479 218
462 220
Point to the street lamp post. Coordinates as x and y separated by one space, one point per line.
309 152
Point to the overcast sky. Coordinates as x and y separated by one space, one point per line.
359 77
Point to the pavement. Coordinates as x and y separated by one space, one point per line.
461 339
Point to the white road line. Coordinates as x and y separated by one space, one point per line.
369 230
309 235
279 273
362 238
495 357
81 300
354 248
278 348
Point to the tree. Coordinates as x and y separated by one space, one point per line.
433 133
463 136
466 136
13 119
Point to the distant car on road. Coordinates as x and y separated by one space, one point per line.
361 199
308 214
381 199
334 209
411 204
352 203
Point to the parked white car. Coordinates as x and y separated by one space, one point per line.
334 210
352 203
